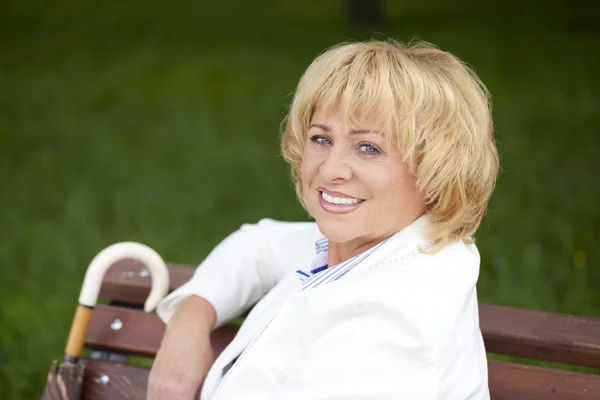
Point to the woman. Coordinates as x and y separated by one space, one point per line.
391 149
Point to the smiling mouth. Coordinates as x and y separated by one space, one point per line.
336 200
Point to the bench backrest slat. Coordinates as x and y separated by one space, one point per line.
506 330
541 335
128 281
139 333
125 382
507 382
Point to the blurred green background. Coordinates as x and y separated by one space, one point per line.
158 122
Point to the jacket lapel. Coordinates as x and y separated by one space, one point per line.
254 323
402 244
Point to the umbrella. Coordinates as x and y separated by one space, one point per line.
65 380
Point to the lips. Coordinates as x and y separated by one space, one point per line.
347 204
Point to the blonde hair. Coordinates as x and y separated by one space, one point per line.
433 109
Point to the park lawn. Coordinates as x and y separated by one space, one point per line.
161 125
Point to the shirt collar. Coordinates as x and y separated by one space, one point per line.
413 234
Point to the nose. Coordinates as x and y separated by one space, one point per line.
336 166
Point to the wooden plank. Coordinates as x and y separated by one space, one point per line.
512 331
140 333
507 382
541 335
121 382
128 281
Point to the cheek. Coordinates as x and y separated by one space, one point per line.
407 193
397 186
304 171
308 168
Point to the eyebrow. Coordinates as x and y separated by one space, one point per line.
351 132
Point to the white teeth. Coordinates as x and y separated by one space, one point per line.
339 200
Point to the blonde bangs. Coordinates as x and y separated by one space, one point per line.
432 108
350 83
359 89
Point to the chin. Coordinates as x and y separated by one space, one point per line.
336 231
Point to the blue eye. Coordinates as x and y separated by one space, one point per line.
320 140
369 149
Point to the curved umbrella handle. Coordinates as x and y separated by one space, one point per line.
120 251
92 282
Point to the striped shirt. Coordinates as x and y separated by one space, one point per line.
320 273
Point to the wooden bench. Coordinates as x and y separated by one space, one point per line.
568 339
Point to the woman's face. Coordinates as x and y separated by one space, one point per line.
354 188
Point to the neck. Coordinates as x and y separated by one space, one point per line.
340 252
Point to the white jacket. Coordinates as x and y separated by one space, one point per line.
400 325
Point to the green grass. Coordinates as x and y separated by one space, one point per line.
160 125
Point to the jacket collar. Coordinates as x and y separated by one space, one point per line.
403 243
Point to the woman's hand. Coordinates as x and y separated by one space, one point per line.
185 354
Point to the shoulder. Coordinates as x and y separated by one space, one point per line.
432 295
453 268
289 243
436 294
277 232
278 227
429 300
426 291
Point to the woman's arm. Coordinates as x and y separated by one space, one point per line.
245 266
235 275
185 354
